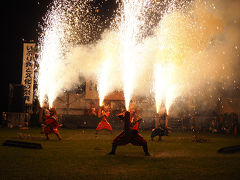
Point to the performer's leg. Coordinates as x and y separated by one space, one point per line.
114 147
155 132
55 131
121 139
47 137
109 127
42 130
58 136
160 138
152 135
138 140
145 149
166 132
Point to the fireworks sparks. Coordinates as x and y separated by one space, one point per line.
103 81
49 58
69 23
161 44
109 48
164 87
131 27
66 24
171 94
159 85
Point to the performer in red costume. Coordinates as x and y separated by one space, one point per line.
104 124
128 135
51 124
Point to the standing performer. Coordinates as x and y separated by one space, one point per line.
158 130
51 124
44 116
104 124
128 136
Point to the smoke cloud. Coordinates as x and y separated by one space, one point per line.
199 44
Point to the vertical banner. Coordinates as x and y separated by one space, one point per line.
28 70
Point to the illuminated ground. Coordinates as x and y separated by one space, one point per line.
83 156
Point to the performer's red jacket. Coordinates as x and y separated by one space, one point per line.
104 124
52 124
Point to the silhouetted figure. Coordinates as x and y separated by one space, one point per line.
128 135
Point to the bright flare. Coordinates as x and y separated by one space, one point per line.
67 23
131 29
49 59
103 81
185 38
159 85
165 89
171 94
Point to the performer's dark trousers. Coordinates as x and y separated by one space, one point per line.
131 136
159 132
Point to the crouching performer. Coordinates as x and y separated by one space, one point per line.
51 124
128 135
159 130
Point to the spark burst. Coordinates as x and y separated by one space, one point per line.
176 38
164 86
159 85
131 30
66 24
103 81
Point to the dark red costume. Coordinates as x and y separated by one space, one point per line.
51 124
104 124
128 135
135 121
136 126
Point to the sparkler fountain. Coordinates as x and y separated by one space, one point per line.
49 58
164 88
175 54
66 24
130 36
103 81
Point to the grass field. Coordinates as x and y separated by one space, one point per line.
83 156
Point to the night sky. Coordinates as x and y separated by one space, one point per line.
22 22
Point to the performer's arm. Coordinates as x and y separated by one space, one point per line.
139 118
121 116
106 114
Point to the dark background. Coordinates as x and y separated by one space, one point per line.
21 22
